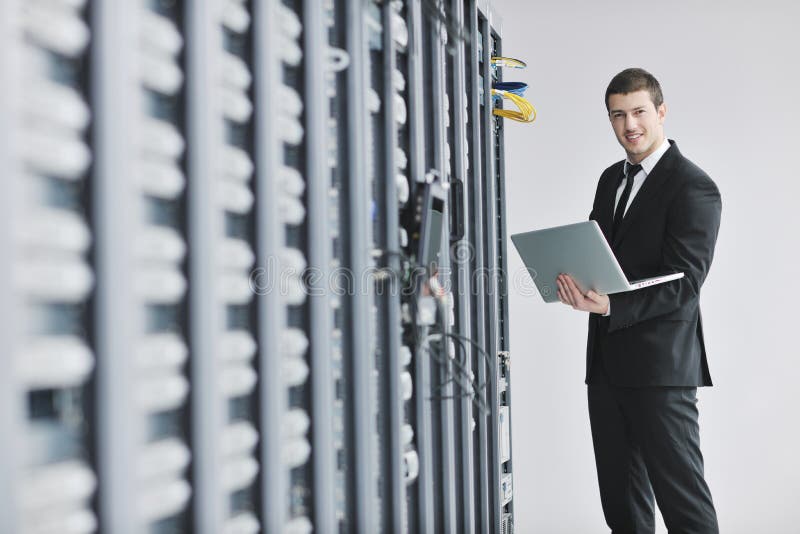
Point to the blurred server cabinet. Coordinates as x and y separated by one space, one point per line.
254 268
49 272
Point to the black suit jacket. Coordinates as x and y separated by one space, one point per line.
654 336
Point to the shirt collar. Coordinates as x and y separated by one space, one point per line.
650 161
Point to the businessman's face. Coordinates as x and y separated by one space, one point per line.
638 125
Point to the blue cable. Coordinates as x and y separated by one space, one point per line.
517 88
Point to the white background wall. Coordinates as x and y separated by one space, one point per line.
731 78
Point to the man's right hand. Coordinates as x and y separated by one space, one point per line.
569 294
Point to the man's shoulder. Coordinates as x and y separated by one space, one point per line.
688 174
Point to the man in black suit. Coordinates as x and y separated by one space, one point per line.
645 353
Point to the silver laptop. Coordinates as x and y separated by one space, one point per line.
580 250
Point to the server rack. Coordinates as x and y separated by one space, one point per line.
224 315
503 355
422 497
462 252
324 227
144 441
489 28
282 351
341 377
278 231
48 271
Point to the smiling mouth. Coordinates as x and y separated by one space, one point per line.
632 138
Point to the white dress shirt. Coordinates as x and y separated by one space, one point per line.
647 164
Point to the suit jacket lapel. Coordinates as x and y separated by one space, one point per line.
652 184
607 195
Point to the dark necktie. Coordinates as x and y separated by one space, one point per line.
630 172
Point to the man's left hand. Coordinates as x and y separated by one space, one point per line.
569 294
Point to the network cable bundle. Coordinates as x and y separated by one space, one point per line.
513 91
253 269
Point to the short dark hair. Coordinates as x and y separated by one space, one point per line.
632 80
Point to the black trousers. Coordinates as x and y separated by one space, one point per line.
646 441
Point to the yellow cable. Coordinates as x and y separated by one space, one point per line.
526 113
510 62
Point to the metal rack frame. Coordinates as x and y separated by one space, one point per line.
275 483
122 427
